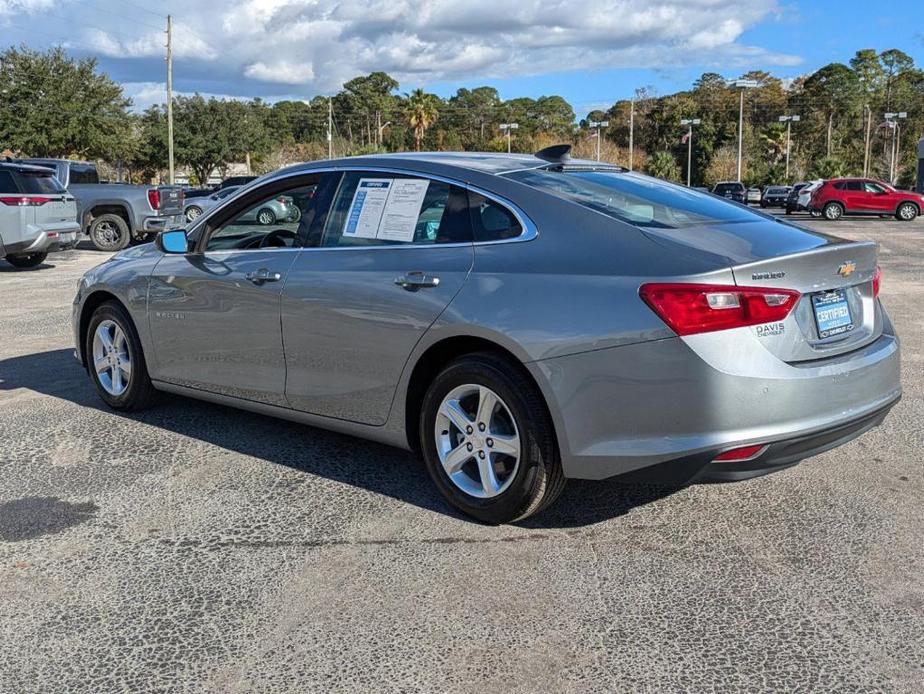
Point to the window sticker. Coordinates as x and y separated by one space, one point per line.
386 208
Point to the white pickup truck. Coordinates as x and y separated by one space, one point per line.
37 215
113 214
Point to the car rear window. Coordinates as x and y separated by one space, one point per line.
638 200
30 182
775 190
83 173
7 184
723 187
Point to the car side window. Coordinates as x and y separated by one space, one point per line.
384 209
490 220
872 187
270 221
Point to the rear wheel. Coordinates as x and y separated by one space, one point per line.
24 261
110 233
906 212
116 361
192 213
488 441
266 216
833 211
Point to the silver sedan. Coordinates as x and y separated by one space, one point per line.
516 320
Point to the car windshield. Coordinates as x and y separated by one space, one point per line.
723 187
776 189
638 200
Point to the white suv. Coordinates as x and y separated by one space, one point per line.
37 215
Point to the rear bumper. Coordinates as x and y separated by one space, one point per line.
156 224
661 404
45 242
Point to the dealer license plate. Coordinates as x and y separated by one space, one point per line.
832 313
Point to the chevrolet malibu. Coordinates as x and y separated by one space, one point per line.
517 320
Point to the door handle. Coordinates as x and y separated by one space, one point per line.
412 281
262 275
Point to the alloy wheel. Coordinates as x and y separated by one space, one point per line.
266 217
907 212
112 357
477 441
192 213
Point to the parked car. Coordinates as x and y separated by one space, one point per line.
236 181
864 196
113 214
37 215
190 193
774 196
281 209
732 190
753 195
805 197
792 200
516 319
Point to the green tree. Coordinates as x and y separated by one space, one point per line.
420 112
55 106
663 165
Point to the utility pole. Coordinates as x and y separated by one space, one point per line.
597 125
631 133
330 127
741 85
868 114
170 100
508 127
689 122
892 119
789 120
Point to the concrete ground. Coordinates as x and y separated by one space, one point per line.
199 548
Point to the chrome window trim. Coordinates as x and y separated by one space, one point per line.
529 233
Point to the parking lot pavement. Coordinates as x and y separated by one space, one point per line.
199 548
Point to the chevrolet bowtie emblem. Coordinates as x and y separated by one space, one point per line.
847 269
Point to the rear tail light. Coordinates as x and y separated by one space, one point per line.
738 455
877 281
154 198
701 308
24 200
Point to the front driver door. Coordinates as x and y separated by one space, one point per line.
214 312
383 261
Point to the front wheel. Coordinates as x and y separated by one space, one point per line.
487 440
192 213
110 233
24 261
116 361
906 212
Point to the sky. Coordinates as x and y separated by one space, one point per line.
592 53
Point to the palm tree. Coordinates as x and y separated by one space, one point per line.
420 112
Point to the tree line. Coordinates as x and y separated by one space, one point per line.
54 105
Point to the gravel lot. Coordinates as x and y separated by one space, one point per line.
199 548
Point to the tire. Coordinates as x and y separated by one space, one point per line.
24 261
192 213
906 212
788 210
110 233
524 485
266 216
138 393
832 211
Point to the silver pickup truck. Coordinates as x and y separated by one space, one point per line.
113 214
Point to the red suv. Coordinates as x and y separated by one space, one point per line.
840 196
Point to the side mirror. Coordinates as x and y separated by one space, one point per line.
173 241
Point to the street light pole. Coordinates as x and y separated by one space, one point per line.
597 125
741 85
789 120
631 133
170 101
689 122
508 127
892 119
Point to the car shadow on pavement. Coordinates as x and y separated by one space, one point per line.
6 267
375 467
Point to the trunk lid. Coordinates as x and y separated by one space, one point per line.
830 274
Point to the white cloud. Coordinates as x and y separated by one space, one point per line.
311 46
8 8
145 94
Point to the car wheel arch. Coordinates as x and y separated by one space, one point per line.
90 304
435 358
908 202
